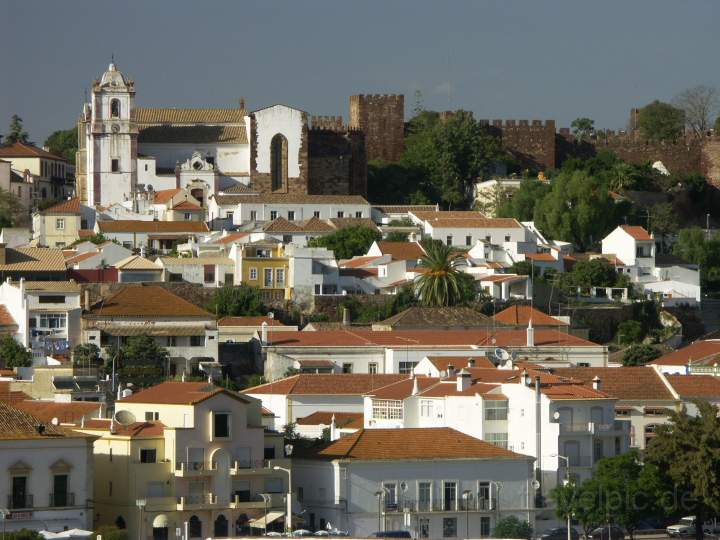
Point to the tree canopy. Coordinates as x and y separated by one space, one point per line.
700 104
522 204
640 354
693 245
583 128
16 132
63 143
239 300
441 283
141 361
10 209
512 527
12 354
661 121
87 354
348 242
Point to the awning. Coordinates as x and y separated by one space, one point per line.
261 523
160 521
46 525
71 533
151 330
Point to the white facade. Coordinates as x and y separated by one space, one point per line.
312 271
289 123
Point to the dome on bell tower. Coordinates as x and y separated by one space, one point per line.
112 77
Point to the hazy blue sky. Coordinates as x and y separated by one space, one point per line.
501 59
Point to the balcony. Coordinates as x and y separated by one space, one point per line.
59 500
245 467
206 501
19 502
185 469
277 500
576 428
473 505
577 461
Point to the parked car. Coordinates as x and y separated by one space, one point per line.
686 527
391 534
559 533
613 532
302 532
322 533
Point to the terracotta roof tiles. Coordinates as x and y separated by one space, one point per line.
696 386
65 412
637 232
694 353
401 251
179 393
347 420
21 150
32 259
519 315
139 226
71 206
323 383
148 301
625 383
248 321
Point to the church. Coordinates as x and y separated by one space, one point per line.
127 152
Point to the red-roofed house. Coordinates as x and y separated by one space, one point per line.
520 316
699 357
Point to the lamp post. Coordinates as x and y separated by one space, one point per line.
288 518
140 503
379 495
466 495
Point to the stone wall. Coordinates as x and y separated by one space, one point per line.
382 118
710 160
532 143
337 159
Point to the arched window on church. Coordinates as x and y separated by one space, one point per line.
278 162
114 108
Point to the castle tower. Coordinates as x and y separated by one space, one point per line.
107 136
382 119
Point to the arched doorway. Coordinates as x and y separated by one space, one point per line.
120 522
199 194
278 162
222 481
220 529
160 527
194 527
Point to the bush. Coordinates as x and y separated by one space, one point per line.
348 242
234 301
512 527
639 355
12 354
112 533
630 332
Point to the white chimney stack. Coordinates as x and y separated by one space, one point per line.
596 383
415 389
333 429
530 334
264 333
463 380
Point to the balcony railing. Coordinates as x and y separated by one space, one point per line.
62 499
15 502
191 466
251 464
472 505
578 461
205 499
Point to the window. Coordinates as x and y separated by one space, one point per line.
449 495
598 450
187 216
468 240
51 299
114 108
253 274
110 488
60 490
273 214
229 215
115 165
484 496
268 277
280 277
172 341
209 273
341 214
221 527
387 409
358 215
449 240
484 526
253 215
372 368
60 224
197 341
449 527
424 496
278 162
498 439
148 455
426 408
390 489
195 527
487 238
53 320
424 527
347 368
507 237
406 367
127 245
382 271
221 425
151 415
291 215
316 214
496 409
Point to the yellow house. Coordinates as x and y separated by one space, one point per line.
263 264
189 458
59 225
52 176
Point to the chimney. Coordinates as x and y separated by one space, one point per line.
451 370
471 362
264 333
87 299
530 334
596 383
463 380
333 429
346 317
415 389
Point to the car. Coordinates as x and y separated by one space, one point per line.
391 534
559 533
302 532
273 534
612 532
322 533
686 528
338 532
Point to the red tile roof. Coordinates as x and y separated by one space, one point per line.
324 418
540 257
187 205
637 232
324 383
11 396
448 388
165 195
149 301
86 233
65 412
179 393
21 150
504 337
232 237
248 321
401 251
158 227
694 353
696 386
411 444
403 388
6 319
519 315
625 383
358 262
442 362
136 429
71 206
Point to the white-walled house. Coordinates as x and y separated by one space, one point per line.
633 251
46 474
699 357
433 483
89 256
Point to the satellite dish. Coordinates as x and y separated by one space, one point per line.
126 393
55 421
124 418
502 354
535 484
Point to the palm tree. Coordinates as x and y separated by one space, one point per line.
441 283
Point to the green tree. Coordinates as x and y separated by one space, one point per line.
512 527
16 133
112 533
694 246
717 126
522 204
12 354
660 121
686 451
663 219
640 354
396 236
441 283
452 152
87 354
10 209
630 332
395 183
583 128
348 242
580 502
594 273
141 361
63 143
577 209
239 300
23 534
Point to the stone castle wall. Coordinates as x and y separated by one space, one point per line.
382 118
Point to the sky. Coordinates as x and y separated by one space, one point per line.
521 59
